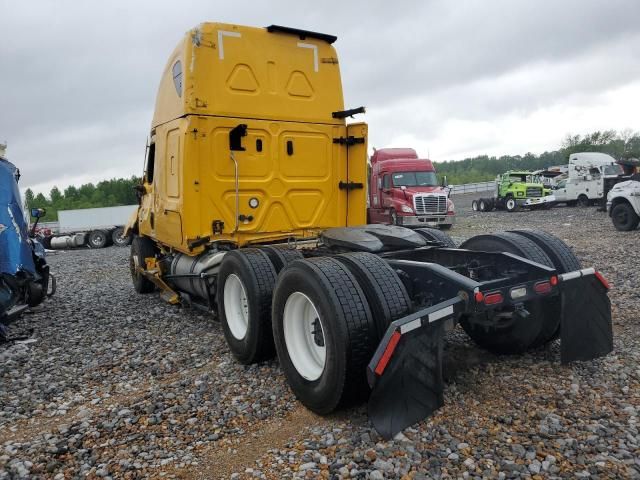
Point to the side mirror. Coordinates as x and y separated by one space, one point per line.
38 212
444 182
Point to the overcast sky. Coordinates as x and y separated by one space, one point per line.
449 78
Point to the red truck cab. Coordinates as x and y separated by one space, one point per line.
404 190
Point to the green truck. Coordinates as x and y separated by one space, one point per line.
515 190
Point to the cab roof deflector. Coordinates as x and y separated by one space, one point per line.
303 34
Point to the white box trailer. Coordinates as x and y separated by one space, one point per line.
92 227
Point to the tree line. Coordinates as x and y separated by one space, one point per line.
620 145
119 191
108 193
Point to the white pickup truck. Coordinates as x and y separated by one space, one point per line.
584 182
623 204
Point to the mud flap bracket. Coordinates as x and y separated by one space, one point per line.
405 373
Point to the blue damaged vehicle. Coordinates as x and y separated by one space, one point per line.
25 280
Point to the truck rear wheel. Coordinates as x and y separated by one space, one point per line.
435 235
474 205
583 200
324 333
385 292
99 239
119 239
141 249
482 205
245 286
281 256
563 258
503 331
624 218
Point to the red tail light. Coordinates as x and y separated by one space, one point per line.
493 298
603 280
553 281
542 288
479 297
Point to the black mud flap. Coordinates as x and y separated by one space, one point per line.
405 374
585 329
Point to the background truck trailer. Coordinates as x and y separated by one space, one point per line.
92 227
404 190
252 206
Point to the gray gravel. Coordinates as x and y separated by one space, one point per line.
120 385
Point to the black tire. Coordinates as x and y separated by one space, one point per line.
435 235
474 205
141 248
281 256
257 277
510 204
491 204
118 239
563 258
99 239
624 217
583 201
482 205
512 335
385 292
349 332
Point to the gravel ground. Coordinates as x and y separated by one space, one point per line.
118 385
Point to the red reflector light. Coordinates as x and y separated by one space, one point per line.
603 280
493 298
542 287
388 352
479 297
553 281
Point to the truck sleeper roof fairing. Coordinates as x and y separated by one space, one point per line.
280 77
393 153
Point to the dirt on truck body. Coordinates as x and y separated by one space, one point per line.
252 206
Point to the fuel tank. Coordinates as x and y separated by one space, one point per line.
195 275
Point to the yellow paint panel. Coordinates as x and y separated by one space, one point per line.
309 155
172 164
299 86
306 205
242 79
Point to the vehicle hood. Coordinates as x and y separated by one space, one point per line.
628 187
435 190
15 250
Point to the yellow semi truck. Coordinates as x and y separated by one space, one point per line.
252 206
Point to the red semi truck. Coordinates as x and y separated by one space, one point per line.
404 190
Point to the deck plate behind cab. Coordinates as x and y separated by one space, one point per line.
372 238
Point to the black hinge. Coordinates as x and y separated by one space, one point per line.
348 186
348 141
